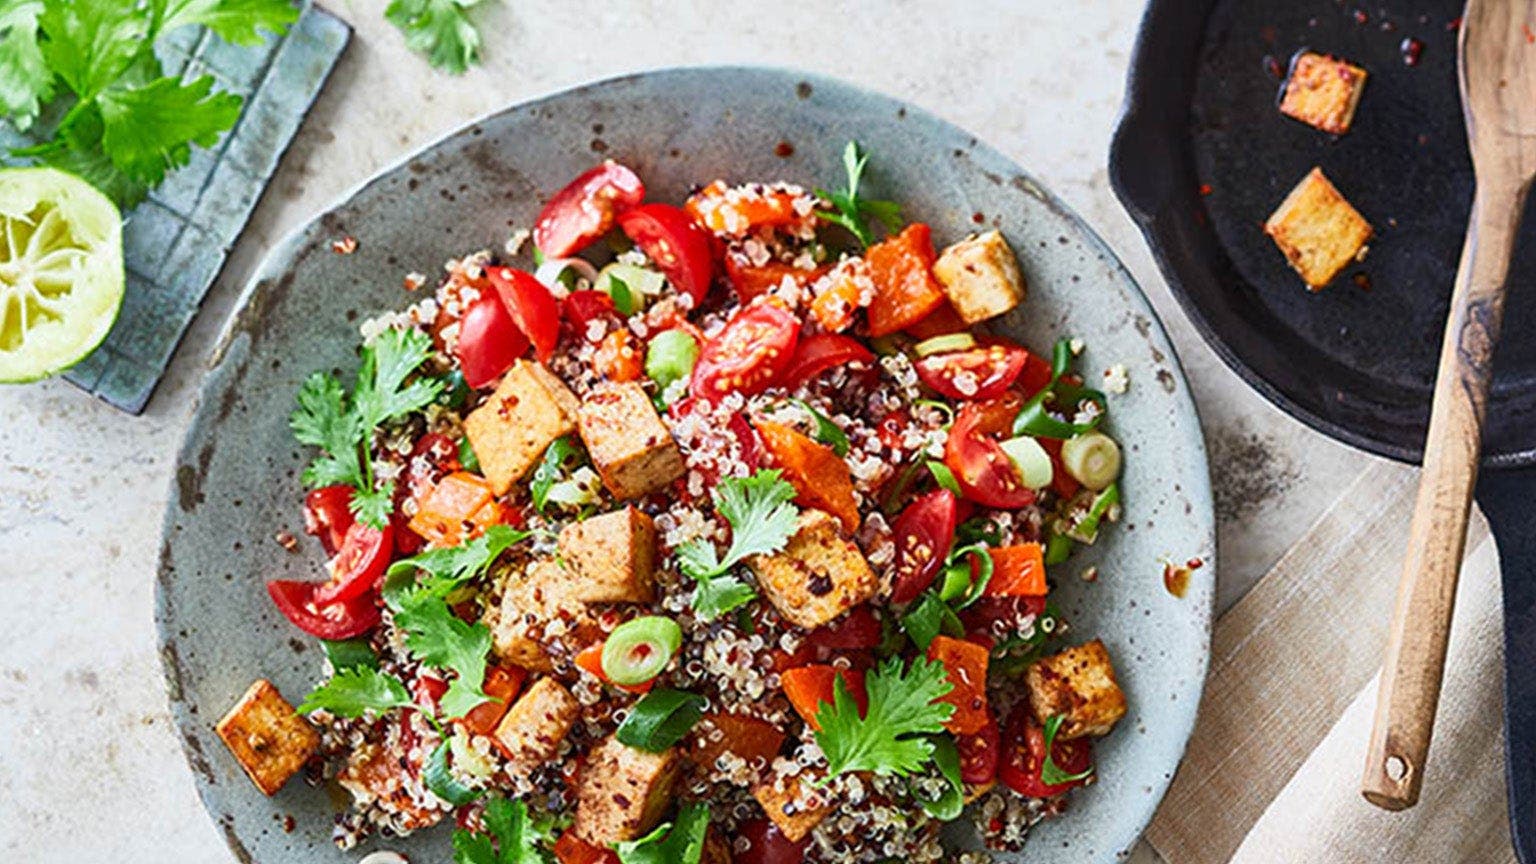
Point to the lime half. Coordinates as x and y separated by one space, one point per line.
61 271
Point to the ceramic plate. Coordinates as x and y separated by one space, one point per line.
236 480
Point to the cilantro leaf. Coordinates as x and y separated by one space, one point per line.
437 637
26 82
762 520
149 130
560 456
235 21
447 569
888 740
353 691
680 843
439 29
323 420
382 394
91 44
518 838
852 212
374 505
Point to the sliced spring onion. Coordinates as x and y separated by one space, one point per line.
1086 530
929 617
951 802
827 432
956 581
979 529
639 649
944 344
977 576
1092 458
892 503
1034 464
442 782
467 457
455 391
942 407
578 490
943 476
624 300
1034 418
1058 547
560 456
563 272
350 653
660 719
629 285
1061 357
670 357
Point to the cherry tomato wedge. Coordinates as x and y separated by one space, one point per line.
767 845
1023 756
678 247
817 353
531 306
939 322
582 307
983 372
340 620
978 754
748 354
858 630
358 567
985 473
328 515
991 619
583 211
923 534
489 342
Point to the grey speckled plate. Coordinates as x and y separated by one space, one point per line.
236 479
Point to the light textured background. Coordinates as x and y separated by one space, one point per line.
90 769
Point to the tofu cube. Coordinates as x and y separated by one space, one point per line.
1323 92
530 733
818 576
794 805
981 277
513 427
1079 684
1318 230
536 605
623 792
267 737
612 557
628 443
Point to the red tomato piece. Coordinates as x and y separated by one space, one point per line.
502 683
940 322
819 352
856 631
339 620
809 686
906 290
584 210
328 515
1017 571
979 752
489 342
748 354
767 845
358 567
821 478
582 307
985 473
983 372
1036 374
1023 756
923 534
570 849
1062 483
966 666
531 306
991 619
680 249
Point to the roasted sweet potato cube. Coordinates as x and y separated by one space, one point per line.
630 446
511 429
612 557
531 731
793 804
1078 684
981 277
751 739
1318 230
818 576
1323 92
623 792
267 737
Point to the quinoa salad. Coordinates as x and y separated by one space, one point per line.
720 532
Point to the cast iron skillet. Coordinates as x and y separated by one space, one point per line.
1202 157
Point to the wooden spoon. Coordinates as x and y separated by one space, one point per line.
1497 62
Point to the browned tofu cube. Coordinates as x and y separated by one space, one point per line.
623 792
793 804
1079 684
612 557
536 608
268 738
530 733
513 427
981 277
628 443
818 576
1318 230
1323 92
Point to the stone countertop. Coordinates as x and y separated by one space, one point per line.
84 729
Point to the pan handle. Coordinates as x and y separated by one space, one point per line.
1508 499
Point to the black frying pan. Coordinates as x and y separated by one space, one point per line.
1200 160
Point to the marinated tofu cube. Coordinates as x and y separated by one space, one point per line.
536 607
793 804
530 733
628 443
1323 92
612 557
513 427
267 737
981 277
623 792
1078 684
818 576
1318 230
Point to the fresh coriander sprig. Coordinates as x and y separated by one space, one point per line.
853 212
889 739
343 427
354 691
439 571
678 843
762 520
440 29
437 637
512 837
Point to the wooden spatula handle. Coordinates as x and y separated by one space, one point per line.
1421 621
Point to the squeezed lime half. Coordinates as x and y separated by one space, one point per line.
61 271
